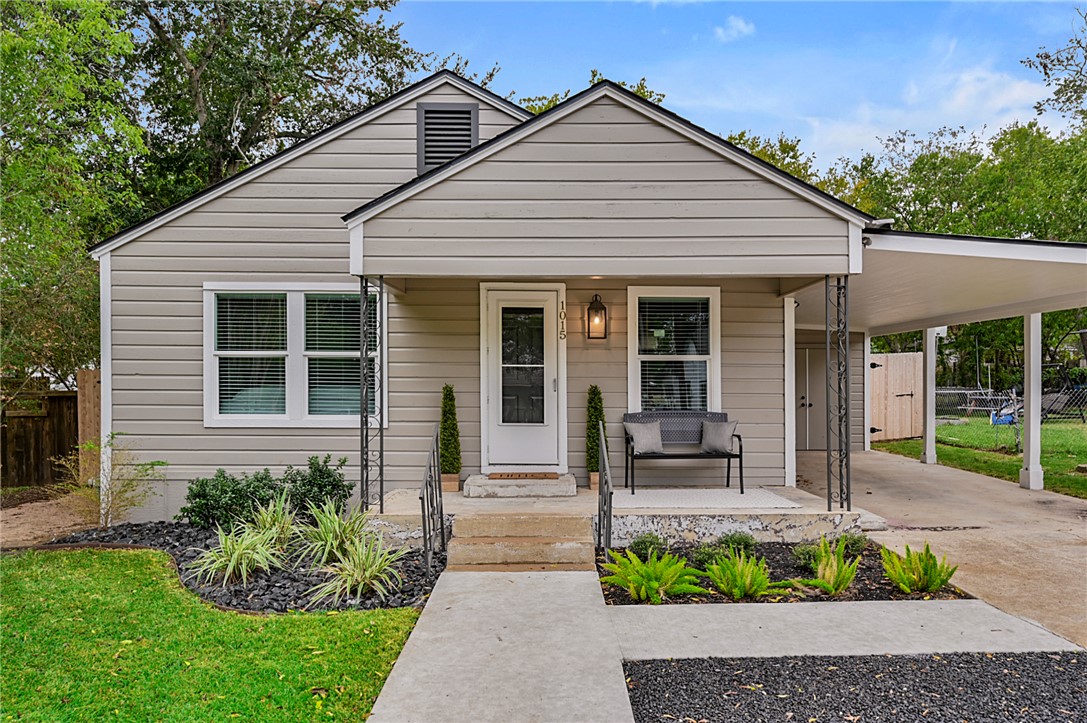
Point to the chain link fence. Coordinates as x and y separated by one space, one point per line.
992 420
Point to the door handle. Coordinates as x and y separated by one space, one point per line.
555 384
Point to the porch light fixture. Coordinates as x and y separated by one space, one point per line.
596 322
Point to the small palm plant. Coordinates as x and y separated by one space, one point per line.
364 564
738 576
917 571
652 580
833 575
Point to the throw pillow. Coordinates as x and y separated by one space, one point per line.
717 437
646 436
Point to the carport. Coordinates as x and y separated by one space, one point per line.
912 281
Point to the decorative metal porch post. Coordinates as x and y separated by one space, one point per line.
372 405
837 346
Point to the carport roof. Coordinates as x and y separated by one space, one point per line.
912 281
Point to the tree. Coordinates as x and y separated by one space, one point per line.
449 434
1065 73
225 84
540 103
66 144
783 152
594 417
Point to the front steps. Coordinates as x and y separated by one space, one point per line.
521 542
482 486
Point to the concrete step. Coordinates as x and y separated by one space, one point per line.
528 525
479 485
525 567
519 550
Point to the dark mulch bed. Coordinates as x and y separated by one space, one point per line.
13 497
276 591
953 687
869 584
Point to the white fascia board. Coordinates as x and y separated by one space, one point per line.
302 148
1010 250
560 112
988 313
856 249
355 256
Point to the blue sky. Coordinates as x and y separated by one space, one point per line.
837 75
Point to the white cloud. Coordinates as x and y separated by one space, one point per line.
734 29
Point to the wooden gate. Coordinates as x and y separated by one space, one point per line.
896 389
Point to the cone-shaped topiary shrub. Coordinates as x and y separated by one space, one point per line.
594 414
449 435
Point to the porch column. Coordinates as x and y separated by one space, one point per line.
1030 476
789 310
929 352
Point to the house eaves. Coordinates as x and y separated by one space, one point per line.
635 102
328 134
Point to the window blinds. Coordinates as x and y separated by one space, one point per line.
674 353
251 337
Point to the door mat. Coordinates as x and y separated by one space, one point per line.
523 475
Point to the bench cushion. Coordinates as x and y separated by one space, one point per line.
646 437
717 437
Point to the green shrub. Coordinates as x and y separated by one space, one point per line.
594 415
240 553
364 564
916 571
705 555
449 433
316 483
739 576
808 555
330 533
645 544
277 519
652 580
855 542
742 541
223 500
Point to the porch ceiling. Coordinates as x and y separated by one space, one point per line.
911 282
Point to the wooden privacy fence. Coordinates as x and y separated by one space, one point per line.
896 389
39 426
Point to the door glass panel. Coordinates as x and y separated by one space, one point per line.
522 365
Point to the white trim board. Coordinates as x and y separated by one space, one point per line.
303 147
105 366
484 406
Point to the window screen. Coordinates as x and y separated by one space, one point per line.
251 341
674 353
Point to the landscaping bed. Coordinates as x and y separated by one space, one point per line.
276 590
870 582
951 687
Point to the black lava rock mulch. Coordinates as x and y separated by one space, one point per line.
275 591
869 584
953 687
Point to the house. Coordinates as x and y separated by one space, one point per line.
481 234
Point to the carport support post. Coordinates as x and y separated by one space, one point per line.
1030 477
929 354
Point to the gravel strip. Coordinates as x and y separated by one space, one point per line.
955 687
275 591
869 584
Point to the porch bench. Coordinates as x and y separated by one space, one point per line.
680 428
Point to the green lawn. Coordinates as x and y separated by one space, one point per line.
1064 445
112 634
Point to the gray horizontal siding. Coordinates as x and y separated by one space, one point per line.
605 191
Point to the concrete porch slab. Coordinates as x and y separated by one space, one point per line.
901 627
482 486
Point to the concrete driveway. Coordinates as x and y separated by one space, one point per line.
1025 552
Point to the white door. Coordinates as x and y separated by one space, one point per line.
811 399
521 379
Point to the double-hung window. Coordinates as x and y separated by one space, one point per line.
674 348
288 355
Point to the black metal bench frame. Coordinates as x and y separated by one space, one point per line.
680 428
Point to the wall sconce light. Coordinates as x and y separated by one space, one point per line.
596 321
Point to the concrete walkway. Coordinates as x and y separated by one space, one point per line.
522 647
828 628
1023 551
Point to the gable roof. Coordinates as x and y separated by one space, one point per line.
332 132
635 102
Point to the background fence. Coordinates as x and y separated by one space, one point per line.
991 420
37 427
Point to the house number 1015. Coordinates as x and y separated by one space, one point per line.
562 319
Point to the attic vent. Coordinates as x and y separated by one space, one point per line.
445 131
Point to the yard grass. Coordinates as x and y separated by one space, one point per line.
112 634
1064 445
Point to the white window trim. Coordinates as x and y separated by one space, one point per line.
634 368
297 385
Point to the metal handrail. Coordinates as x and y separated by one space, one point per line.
603 506
430 501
